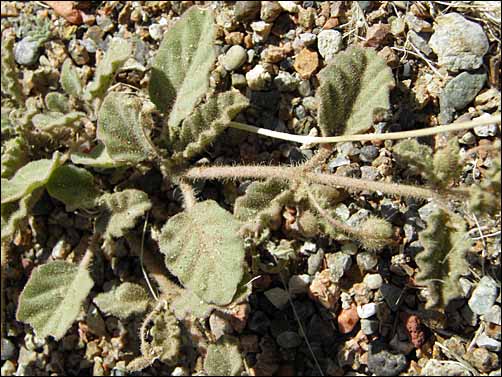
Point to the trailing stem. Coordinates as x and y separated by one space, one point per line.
4 260
188 194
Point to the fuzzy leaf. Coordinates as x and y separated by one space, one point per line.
354 90
443 260
70 81
180 71
57 102
415 156
205 253
53 297
15 156
262 203
97 158
31 176
189 303
206 122
447 166
120 122
11 86
52 120
121 211
485 197
118 52
74 187
223 358
13 213
123 301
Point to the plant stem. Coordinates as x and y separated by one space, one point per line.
3 264
367 137
188 194
293 174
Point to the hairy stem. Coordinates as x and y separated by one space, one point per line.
293 174
188 194
367 137
4 260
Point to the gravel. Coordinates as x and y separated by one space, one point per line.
329 42
484 295
384 363
27 51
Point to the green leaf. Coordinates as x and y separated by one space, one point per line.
31 176
13 213
354 89
446 162
123 301
205 253
180 71
11 86
443 260
97 158
223 358
15 155
484 198
120 128
70 81
118 52
121 211
52 120
74 187
57 102
188 303
415 156
202 127
52 298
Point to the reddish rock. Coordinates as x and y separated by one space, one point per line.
377 35
414 329
331 23
306 63
348 319
239 316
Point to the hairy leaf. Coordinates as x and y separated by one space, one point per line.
443 260
97 158
52 120
118 52
120 128
10 83
223 358
447 166
121 211
14 156
485 197
13 213
354 91
74 187
202 127
123 301
180 71
415 156
70 81
53 297
203 250
57 102
188 303
31 176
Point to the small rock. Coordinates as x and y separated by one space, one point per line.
482 359
323 290
308 248
460 91
329 42
373 281
27 51
370 173
156 31
261 31
366 260
366 311
444 368
487 130
391 295
484 295
493 315
468 138
278 297
307 39
419 42
78 52
414 329
273 54
289 339
369 326
270 10
245 11
426 211
239 81
8 350
219 325
9 369
397 26
338 264
298 284
306 18
343 212
417 24
490 344
234 58
289 6
384 363
257 78
337 162
377 35
306 63
368 153
178 371
285 82
460 44
304 89
347 319
314 262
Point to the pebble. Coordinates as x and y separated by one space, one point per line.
337 162
366 260
289 339
27 51
460 44
343 212
370 173
482 359
178 371
417 24
234 58
419 42
306 18
261 31
490 344
427 210
369 326
461 91
397 26
384 363
8 350
329 42
368 153
308 248
285 82
377 35
8 369
270 10
278 297
493 315
487 130
314 262
373 281
304 89
78 52
219 326
484 295
246 10
306 63
156 31
258 78
468 138
338 263
391 294
367 310
307 39
347 319
239 81
299 284
289 6
444 368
